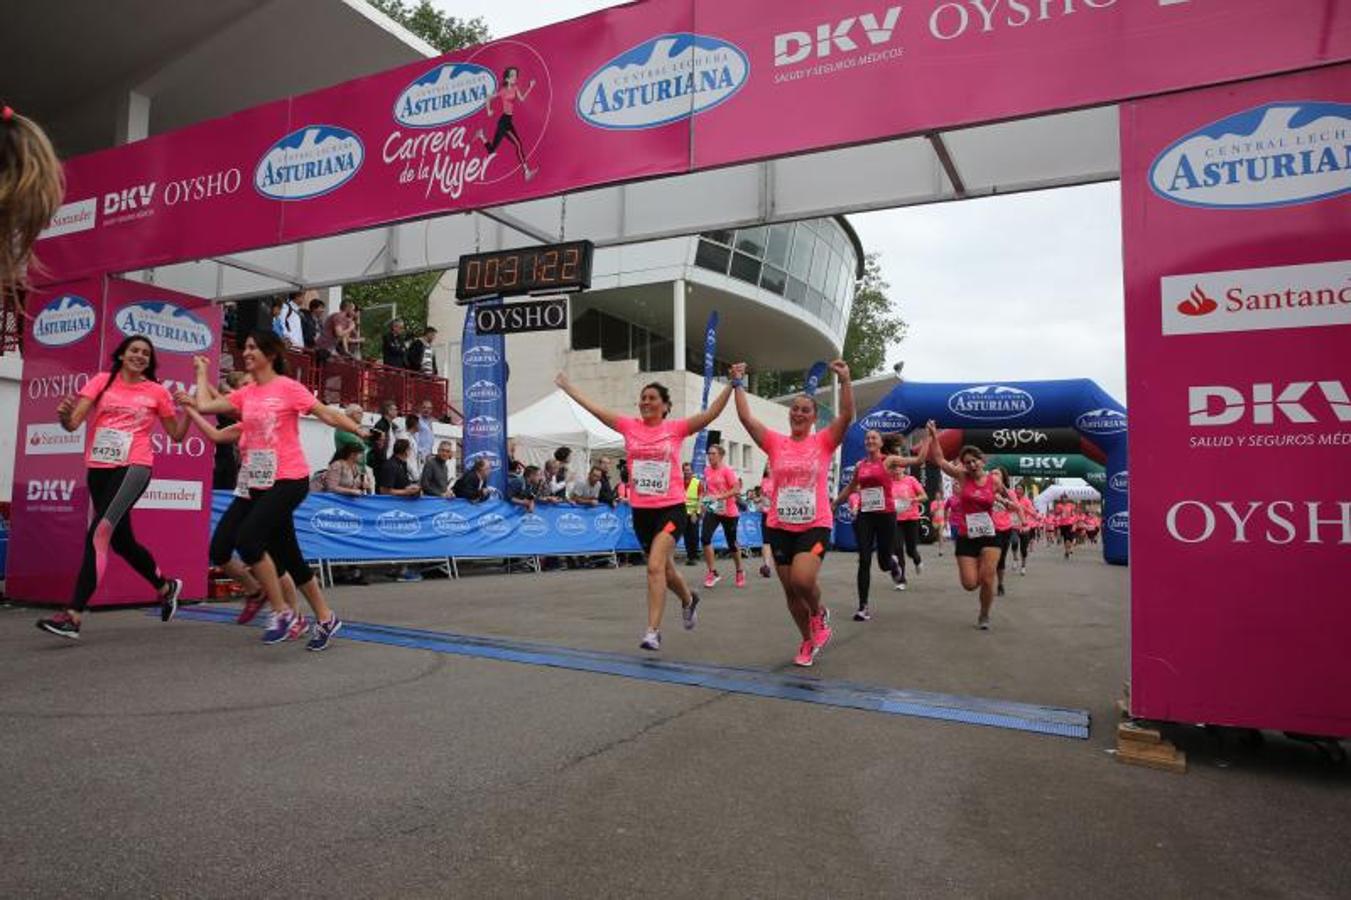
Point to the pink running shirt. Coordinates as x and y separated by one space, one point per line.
653 453
723 478
119 426
874 486
508 96
977 500
270 414
801 468
904 492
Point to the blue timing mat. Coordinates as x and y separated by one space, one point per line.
1072 723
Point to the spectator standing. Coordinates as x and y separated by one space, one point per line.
438 472
278 318
693 509
420 355
608 495
394 351
394 478
412 428
292 319
340 332
426 436
312 324
473 484
389 414
342 438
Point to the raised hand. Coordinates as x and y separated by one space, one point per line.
841 369
737 371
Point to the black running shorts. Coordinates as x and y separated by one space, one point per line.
784 545
650 522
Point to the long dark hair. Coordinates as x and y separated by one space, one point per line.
271 347
116 367
345 451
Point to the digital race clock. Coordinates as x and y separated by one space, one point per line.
550 269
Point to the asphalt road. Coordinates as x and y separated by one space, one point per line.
188 759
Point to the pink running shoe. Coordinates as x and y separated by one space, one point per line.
741 579
712 578
300 626
806 654
252 604
821 632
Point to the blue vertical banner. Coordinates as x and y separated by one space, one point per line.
483 359
710 348
814 376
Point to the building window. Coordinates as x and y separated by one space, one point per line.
712 256
752 241
745 268
773 280
780 238
721 237
797 291
800 265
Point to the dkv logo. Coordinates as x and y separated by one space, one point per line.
446 94
886 420
169 327
666 79
1214 405
1101 421
398 524
795 46
991 401
1280 154
309 162
336 522
65 320
51 489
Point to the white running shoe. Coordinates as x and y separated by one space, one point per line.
651 640
900 585
983 623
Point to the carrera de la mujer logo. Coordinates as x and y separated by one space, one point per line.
662 80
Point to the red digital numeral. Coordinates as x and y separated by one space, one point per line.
571 258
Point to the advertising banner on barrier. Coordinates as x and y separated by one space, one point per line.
643 90
1237 230
337 527
72 335
483 364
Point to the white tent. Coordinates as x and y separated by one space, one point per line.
1076 492
557 421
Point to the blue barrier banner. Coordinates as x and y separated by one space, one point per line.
700 456
339 527
483 360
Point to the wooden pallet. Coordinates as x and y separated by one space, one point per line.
1141 744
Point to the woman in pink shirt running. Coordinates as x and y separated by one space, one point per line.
797 525
652 445
508 95
721 485
276 476
121 407
909 497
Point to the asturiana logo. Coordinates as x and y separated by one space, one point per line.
450 523
571 524
991 402
397 524
494 525
170 328
66 320
844 514
1101 421
483 427
1280 154
887 420
336 522
483 392
481 357
533 525
666 79
448 93
607 523
1120 522
309 162
1198 303
1120 481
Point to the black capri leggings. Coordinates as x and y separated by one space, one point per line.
875 530
113 492
907 541
1024 539
710 527
264 523
1004 538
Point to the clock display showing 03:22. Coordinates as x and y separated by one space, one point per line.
508 273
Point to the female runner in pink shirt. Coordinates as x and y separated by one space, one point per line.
508 95
797 525
656 490
909 496
977 544
938 520
721 485
121 407
261 526
766 501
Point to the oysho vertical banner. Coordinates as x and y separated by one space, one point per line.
484 366
1237 230
700 457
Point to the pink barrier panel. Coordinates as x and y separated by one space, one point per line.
1237 229
72 335
644 90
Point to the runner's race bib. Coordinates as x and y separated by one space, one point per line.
261 469
651 477
242 483
979 525
795 505
111 446
872 499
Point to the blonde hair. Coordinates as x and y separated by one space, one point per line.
31 189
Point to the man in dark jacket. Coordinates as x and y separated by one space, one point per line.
394 351
473 484
420 355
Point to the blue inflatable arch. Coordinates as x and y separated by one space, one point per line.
1077 403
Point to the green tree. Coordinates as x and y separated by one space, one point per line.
408 294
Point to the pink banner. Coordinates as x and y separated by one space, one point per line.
644 90
1237 230
71 335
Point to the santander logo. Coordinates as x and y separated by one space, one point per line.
1198 303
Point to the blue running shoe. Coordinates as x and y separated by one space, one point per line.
323 633
278 628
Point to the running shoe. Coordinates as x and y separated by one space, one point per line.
252 604
711 578
806 654
919 568
983 623
862 614
900 585
764 571
651 640
1022 570
168 603
278 628
62 624
740 579
323 633
821 632
689 615
299 626
999 591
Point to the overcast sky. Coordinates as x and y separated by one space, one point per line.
1008 288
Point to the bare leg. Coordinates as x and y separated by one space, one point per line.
989 560
797 607
661 574
266 572
314 597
